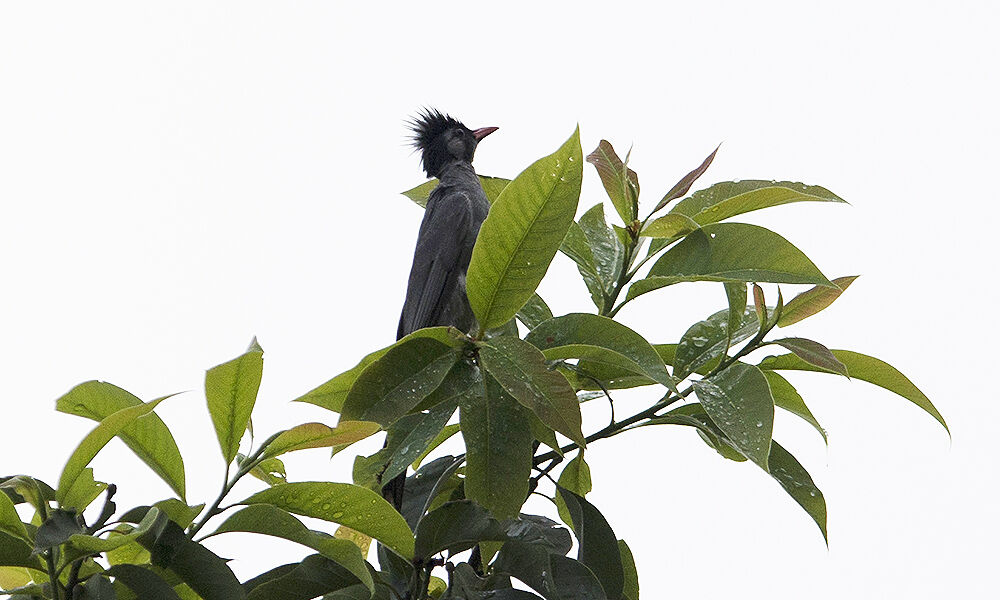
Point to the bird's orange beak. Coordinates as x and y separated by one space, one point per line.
483 132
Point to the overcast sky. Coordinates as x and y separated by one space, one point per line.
177 178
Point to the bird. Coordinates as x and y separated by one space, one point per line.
456 208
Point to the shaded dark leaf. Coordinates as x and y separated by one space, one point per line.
455 527
57 529
398 381
146 584
498 442
521 369
534 311
314 576
598 544
739 401
204 571
796 481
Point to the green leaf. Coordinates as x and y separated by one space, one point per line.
93 544
681 187
109 427
598 544
576 247
84 491
14 552
498 443
575 477
730 252
491 185
534 311
456 527
418 439
694 415
599 339
865 368
739 402
788 398
354 506
315 576
56 529
10 522
203 570
444 435
630 590
796 481
520 368
706 341
669 227
271 471
813 301
179 512
231 391
273 521
318 435
731 198
98 587
522 233
149 438
143 582
332 394
620 182
398 381
813 353
607 249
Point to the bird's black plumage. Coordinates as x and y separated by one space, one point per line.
435 292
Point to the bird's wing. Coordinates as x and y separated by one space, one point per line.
439 260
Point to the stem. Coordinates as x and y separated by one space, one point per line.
248 465
50 563
618 426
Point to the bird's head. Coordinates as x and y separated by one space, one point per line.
442 139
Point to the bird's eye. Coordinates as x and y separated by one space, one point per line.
460 132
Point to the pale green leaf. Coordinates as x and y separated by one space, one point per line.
231 391
354 506
149 438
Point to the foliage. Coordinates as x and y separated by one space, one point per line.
517 401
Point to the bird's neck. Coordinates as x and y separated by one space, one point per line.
457 171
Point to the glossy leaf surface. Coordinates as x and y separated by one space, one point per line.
522 233
731 198
520 368
739 401
359 508
730 252
620 182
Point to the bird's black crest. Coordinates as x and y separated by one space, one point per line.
428 125
429 128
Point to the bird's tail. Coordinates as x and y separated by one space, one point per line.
393 491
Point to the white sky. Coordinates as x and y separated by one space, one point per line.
178 177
